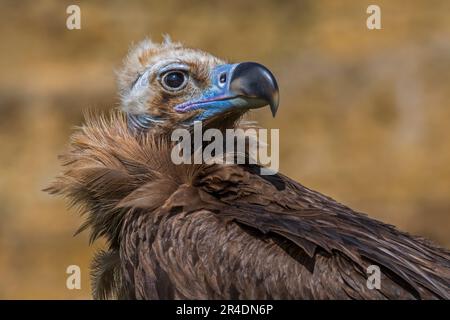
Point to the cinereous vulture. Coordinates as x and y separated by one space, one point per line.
220 231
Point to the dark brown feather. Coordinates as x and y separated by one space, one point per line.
224 232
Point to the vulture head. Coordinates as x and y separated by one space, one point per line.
168 84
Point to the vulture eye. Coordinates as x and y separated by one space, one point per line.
174 80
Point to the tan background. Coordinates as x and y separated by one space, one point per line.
364 115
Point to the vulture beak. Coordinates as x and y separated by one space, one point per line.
243 86
255 84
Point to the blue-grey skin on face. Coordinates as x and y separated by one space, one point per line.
233 87
240 86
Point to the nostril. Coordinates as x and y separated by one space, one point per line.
223 78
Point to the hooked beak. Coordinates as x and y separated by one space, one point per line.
247 85
256 84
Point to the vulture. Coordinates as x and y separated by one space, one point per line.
220 230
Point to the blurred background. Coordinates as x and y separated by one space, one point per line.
364 115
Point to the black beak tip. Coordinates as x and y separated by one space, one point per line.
274 102
254 80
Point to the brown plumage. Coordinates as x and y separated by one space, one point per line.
222 231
